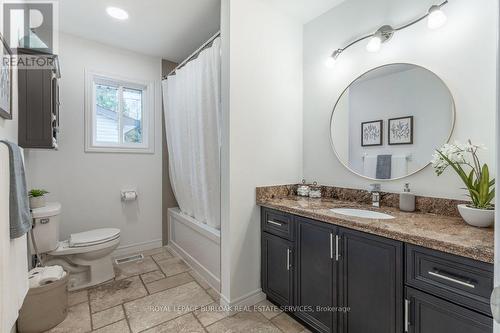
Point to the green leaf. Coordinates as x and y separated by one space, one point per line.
484 185
491 196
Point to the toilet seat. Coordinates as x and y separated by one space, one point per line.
93 237
88 241
64 249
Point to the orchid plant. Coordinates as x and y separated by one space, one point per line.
463 158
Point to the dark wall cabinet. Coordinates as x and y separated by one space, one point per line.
38 92
341 280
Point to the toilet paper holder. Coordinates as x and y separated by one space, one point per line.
128 195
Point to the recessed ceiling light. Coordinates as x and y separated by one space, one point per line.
117 13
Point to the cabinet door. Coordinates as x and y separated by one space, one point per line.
35 109
277 269
370 283
429 314
316 274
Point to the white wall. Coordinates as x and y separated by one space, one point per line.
462 53
262 107
88 184
11 263
496 325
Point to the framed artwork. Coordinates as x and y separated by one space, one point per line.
401 131
371 133
5 80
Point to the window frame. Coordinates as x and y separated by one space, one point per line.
92 78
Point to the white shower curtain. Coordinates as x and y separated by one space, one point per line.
192 121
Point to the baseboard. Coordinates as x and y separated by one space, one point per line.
137 247
249 299
211 279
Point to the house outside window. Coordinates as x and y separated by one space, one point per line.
119 114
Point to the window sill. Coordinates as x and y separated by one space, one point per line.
119 150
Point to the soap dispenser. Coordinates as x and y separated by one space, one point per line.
407 200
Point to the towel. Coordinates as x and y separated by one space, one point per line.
19 210
384 166
369 166
399 166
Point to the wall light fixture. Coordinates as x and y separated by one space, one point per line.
436 18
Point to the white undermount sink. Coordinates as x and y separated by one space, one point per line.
368 214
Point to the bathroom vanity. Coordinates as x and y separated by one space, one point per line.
421 273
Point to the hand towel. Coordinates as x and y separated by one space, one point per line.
369 166
19 210
384 166
399 166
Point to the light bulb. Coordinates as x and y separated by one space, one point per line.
436 18
374 44
330 62
117 13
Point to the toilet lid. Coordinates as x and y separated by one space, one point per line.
93 237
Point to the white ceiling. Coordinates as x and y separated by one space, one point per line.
170 29
305 10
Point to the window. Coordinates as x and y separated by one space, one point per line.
119 115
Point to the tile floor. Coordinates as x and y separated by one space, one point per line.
161 294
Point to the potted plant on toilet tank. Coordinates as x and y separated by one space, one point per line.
37 198
464 160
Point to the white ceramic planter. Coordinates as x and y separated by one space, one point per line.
37 202
477 217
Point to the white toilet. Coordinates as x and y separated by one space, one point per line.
85 255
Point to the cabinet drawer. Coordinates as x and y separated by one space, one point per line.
464 281
277 223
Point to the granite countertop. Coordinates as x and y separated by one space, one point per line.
438 232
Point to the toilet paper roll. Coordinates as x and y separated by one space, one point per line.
50 274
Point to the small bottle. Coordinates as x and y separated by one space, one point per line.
407 200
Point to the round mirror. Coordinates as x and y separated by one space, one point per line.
390 120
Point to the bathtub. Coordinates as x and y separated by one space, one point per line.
197 243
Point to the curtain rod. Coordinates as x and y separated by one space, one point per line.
193 55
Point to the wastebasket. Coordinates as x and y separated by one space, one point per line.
44 307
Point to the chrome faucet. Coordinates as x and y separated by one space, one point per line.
374 189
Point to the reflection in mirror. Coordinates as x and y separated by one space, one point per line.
389 121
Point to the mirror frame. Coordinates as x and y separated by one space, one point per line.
454 116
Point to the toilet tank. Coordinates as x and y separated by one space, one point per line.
46 227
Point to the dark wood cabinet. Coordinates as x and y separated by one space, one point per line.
370 283
277 269
340 280
38 95
316 274
429 314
